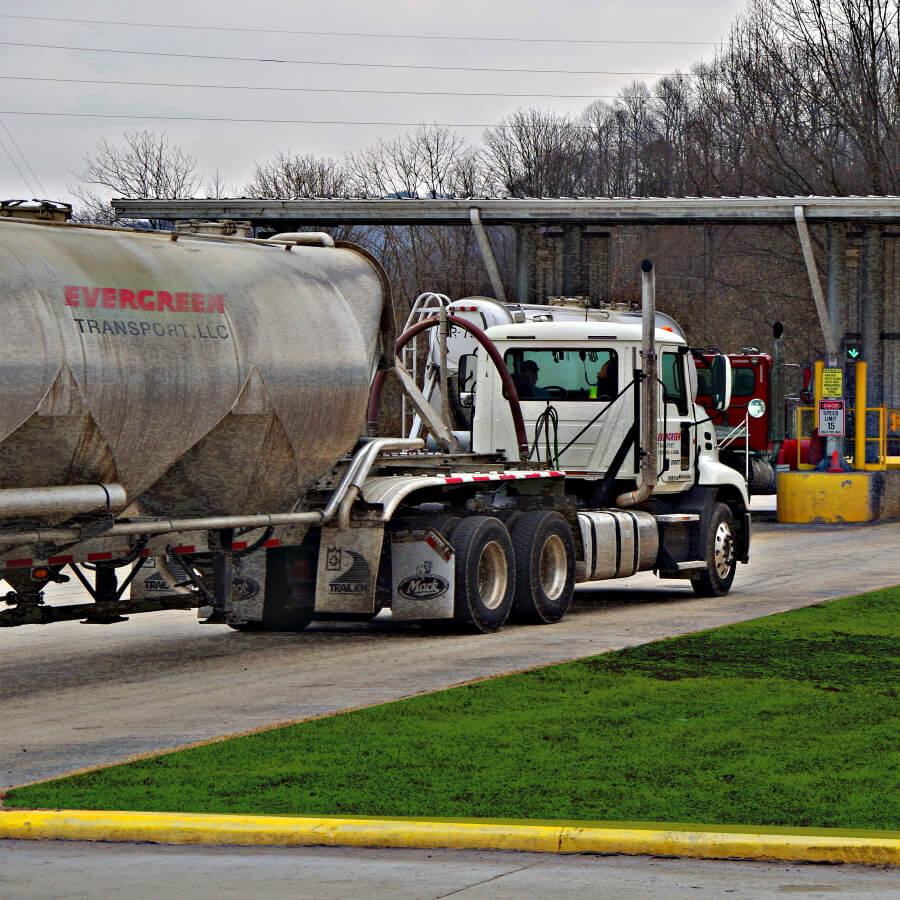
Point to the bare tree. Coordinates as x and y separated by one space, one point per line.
146 165
292 176
428 162
816 88
432 161
215 186
537 153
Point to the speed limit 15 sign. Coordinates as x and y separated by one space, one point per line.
831 418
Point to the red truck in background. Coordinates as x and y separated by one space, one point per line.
744 431
752 431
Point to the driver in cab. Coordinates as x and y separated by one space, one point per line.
526 381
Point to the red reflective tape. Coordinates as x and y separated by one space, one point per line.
481 478
273 543
18 563
533 475
557 474
188 549
506 477
98 557
238 545
453 480
59 560
431 541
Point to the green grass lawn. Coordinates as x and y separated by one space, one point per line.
790 720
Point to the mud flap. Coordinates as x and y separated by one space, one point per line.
423 569
158 578
247 601
347 569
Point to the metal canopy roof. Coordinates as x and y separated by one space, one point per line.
566 211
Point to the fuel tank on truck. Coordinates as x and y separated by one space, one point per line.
206 377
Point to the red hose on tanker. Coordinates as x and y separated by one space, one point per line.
512 396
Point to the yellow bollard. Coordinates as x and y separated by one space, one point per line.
859 438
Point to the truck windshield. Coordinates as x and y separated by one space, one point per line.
743 381
557 374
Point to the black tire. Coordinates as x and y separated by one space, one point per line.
545 567
289 604
485 574
721 560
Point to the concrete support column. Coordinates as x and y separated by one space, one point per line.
574 281
525 263
871 304
835 280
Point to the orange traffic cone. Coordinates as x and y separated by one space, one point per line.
835 463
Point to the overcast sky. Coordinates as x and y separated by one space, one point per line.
55 123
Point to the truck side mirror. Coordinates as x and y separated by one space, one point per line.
467 367
465 379
720 378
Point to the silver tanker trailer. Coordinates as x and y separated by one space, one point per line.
191 421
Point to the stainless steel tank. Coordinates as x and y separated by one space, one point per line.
206 377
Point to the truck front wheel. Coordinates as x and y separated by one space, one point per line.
545 566
485 574
721 561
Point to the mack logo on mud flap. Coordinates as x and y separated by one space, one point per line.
424 585
355 580
245 588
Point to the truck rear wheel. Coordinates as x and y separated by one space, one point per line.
485 574
721 560
545 566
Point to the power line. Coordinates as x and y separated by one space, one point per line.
364 34
24 158
306 90
16 167
318 62
72 115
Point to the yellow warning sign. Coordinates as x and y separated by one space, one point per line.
832 383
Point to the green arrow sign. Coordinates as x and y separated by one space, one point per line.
853 353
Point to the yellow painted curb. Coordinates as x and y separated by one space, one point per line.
188 828
193 828
719 845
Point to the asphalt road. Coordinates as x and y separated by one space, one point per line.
74 696
36 870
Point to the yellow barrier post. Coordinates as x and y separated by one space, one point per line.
818 369
859 442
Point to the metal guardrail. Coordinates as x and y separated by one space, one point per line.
885 430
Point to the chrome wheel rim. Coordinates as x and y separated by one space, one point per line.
724 550
492 575
554 567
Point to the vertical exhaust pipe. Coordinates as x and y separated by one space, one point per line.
649 390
